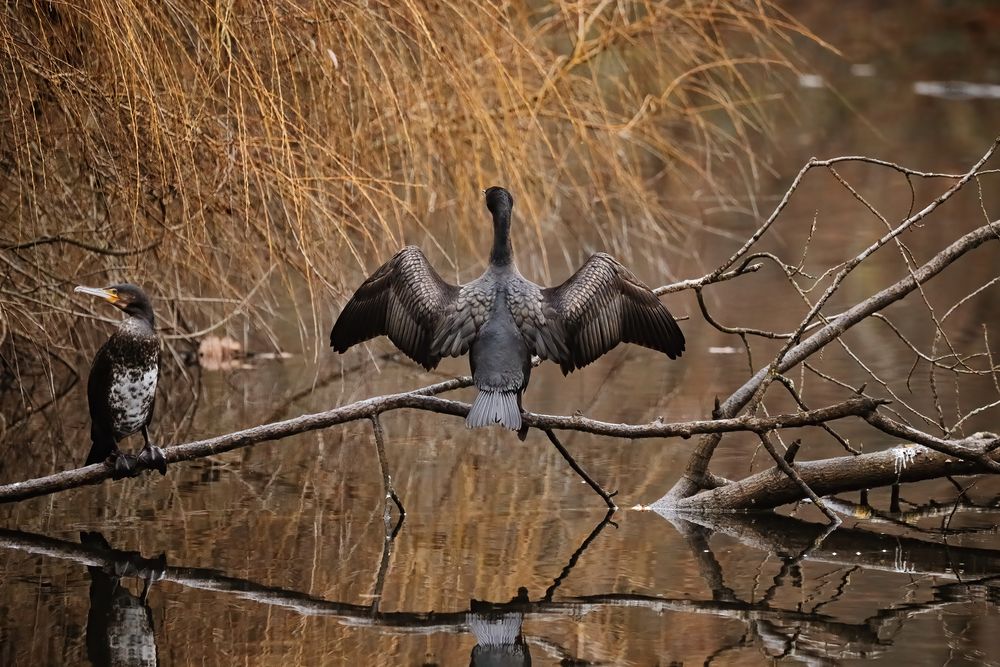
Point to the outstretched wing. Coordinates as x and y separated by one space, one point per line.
604 304
405 299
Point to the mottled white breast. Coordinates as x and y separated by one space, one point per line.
130 634
131 399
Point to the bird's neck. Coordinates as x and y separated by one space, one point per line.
502 253
141 324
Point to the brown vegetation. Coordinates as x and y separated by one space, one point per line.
226 156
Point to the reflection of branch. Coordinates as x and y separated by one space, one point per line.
357 614
909 518
550 591
709 567
424 399
383 563
791 630
428 622
812 635
773 533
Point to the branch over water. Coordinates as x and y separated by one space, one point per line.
423 399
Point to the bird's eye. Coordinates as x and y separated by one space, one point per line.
113 291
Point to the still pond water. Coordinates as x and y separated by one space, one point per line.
277 554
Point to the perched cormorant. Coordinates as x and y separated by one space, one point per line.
122 384
501 318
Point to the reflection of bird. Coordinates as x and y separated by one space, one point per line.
119 624
501 318
122 382
498 640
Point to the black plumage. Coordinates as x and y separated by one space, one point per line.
501 318
121 389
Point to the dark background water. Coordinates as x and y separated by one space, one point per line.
276 554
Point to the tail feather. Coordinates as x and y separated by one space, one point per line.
493 406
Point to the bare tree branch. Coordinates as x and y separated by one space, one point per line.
700 458
419 399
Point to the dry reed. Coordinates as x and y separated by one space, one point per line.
228 155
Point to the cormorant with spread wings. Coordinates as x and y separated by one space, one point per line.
501 318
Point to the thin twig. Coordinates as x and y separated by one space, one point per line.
598 489
789 470
383 463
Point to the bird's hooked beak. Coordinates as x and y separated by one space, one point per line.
108 294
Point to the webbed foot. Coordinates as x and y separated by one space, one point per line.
124 466
152 458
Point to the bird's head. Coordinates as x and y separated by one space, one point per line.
128 298
498 201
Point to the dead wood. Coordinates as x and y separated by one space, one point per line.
772 488
422 399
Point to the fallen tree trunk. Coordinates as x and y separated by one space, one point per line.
772 488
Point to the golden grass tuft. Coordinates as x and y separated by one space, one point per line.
225 154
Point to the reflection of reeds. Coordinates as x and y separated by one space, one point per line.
806 627
210 151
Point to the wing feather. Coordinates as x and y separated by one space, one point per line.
604 304
405 300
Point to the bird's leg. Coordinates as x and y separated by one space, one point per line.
522 433
124 464
151 456
154 571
